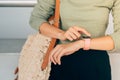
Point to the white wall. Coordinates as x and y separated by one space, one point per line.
115 65
14 22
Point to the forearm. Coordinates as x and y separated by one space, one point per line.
101 43
51 31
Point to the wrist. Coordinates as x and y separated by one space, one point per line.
61 36
80 43
87 42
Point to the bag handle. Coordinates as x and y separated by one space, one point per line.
57 14
53 41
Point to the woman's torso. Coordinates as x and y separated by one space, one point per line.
91 15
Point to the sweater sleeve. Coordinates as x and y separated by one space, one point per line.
41 12
116 20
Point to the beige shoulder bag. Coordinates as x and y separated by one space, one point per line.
34 56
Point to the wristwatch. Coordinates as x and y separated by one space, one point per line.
87 40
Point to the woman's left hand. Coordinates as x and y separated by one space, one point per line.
64 49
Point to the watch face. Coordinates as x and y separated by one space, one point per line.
85 37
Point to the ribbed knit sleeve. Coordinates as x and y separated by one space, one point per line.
41 12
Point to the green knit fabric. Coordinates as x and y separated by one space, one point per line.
93 15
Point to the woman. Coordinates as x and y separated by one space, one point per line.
77 58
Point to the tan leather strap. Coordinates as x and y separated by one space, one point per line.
57 14
53 41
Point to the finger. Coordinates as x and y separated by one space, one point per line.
59 57
75 32
82 30
55 49
52 53
68 37
52 60
72 35
56 55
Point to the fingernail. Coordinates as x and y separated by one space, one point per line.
59 63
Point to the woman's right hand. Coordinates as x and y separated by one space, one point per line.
74 33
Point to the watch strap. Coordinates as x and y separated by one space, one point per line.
87 44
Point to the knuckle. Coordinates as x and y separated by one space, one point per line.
54 56
61 47
58 45
67 32
58 56
79 35
74 26
75 37
51 59
70 39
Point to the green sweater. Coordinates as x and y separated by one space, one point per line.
93 15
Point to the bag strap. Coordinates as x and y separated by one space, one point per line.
57 14
53 41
